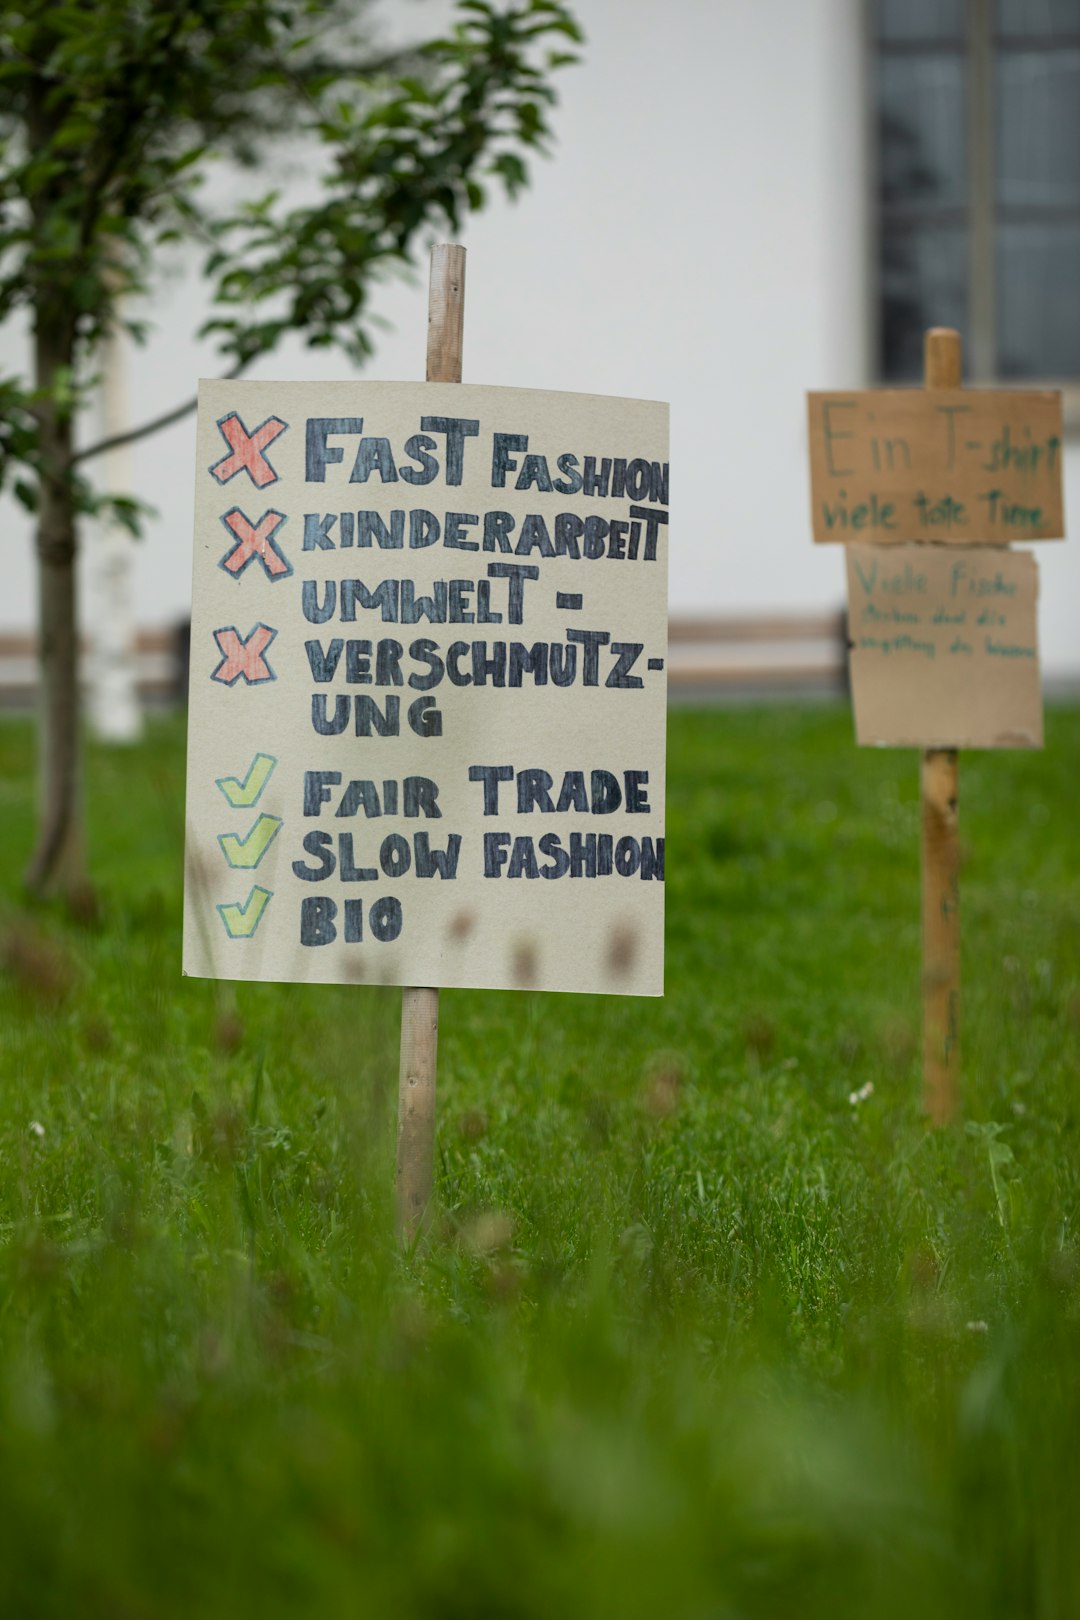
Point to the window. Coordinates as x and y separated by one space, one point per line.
979 183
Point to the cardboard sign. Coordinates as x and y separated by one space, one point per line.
428 689
956 465
943 647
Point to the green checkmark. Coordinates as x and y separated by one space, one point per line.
242 921
248 851
242 795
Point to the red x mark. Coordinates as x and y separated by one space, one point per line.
247 450
243 658
255 540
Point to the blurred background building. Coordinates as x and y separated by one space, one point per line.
747 201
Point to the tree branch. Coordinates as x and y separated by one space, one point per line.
155 425
131 112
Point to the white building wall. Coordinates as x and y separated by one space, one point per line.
703 236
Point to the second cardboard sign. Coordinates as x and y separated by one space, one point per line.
943 647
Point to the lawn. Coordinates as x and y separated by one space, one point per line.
709 1325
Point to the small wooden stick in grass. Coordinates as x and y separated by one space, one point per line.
420 1005
942 368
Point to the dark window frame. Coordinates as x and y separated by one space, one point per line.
979 44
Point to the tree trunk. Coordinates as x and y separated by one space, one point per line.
58 865
114 713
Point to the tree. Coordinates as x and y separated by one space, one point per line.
112 115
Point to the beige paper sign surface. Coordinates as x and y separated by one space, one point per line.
960 465
428 689
943 647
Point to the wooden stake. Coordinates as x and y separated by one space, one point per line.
446 312
420 1006
416 1109
942 368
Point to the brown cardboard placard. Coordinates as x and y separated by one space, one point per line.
407 597
944 649
962 465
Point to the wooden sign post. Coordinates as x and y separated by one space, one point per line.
926 488
940 791
428 694
420 1005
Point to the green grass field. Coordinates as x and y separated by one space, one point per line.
694 1336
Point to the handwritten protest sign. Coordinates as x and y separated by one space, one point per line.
943 647
958 465
427 705
927 488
